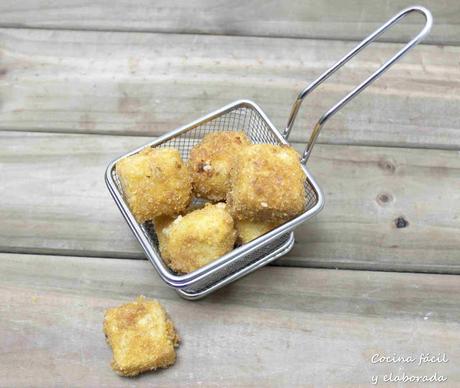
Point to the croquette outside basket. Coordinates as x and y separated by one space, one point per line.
245 115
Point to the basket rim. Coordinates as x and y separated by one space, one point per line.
187 280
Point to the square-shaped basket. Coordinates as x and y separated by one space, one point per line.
244 115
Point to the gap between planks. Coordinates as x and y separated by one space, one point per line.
292 262
13 26
63 131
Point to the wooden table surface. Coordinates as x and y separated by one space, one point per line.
82 83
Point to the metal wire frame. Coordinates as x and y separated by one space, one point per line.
245 115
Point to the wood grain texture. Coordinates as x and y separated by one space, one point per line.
292 18
277 327
147 84
54 200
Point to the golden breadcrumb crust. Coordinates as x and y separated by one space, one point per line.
267 184
142 337
250 230
190 242
155 182
211 162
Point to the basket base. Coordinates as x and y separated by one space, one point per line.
281 251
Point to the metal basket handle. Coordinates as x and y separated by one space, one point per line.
316 130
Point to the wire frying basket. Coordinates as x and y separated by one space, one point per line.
245 115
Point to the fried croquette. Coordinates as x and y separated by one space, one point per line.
250 230
142 337
267 184
196 239
155 182
211 162
162 222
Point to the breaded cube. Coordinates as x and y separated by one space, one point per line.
161 223
267 184
155 182
196 239
211 162
250 230
142 337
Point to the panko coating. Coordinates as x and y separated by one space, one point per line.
142 337
196 239
155 182
267 184
250 230
162 222
211 162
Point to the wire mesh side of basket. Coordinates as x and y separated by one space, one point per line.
248 118
242 118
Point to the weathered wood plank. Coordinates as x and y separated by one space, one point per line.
133 83
277 327
293 18
54 200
